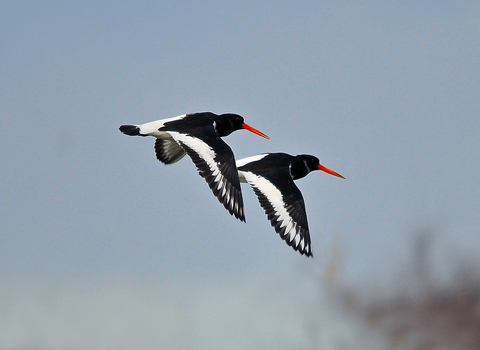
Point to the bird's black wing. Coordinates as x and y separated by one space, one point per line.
215 161
283 203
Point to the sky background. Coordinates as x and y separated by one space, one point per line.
385 93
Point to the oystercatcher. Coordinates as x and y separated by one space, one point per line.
199 136
271 177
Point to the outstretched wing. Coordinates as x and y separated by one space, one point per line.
215 161
284 205
168 151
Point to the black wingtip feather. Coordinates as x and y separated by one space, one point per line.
130 130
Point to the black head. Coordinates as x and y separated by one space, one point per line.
229 122
310 161
235 119
307 163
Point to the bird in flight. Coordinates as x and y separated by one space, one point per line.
199 135
271 176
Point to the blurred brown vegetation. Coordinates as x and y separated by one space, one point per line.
420 313
446 318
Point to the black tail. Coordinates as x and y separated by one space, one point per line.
130 130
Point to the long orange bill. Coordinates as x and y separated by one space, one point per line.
331 172
255 131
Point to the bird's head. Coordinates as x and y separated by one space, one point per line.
313 163
229 122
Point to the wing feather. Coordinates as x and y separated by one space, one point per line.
286 213
216 163
168 151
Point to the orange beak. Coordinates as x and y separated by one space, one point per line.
255 131
331 172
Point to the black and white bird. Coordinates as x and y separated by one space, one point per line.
271 177
199 136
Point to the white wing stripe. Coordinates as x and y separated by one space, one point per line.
208 155
203 149
275 198
242 162
151 128
288 229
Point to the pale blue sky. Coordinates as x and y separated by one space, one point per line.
386 94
